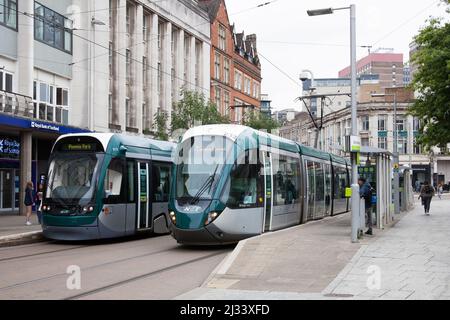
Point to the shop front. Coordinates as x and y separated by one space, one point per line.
25 147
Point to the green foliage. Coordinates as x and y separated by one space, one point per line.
194 109
432 82
160 125
260 121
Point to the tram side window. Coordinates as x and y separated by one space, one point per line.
113 184
241 190
161 182
286 185
340 182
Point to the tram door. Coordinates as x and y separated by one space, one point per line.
144 220
268 187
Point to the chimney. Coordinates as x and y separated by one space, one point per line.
252 39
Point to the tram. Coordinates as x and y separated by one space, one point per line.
231 182
106 186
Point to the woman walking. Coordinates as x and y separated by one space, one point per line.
29 201
427 193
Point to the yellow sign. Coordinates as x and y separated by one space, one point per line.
348 192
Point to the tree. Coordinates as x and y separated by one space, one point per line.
259 121
432 82
194 109
160 125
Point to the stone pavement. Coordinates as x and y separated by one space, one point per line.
13 230
14 224
410 260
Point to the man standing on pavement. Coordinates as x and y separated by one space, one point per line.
366 193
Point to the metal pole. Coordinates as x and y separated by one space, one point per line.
355 187
396 162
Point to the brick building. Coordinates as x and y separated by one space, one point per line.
389 67
235 67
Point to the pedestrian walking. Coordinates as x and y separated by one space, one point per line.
366 191
39 197
29 201
440 190
427 192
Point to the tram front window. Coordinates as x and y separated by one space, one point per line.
72 178
200 163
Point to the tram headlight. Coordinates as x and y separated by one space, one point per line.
88 209
211 217
173 217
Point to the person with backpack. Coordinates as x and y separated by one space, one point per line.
366 192
427 193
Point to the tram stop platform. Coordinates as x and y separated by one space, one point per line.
410 259
13 230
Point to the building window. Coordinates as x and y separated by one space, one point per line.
365 142
226 70
144 73
400 124
416 124
417 147
365 123
217 66
382 142
6 81
226 102
52 28
402 145
8 13
238 80
256 90
187 52
128 66
218 98
238 104
46 108
247 86
198 63
222 38
110 108
381 123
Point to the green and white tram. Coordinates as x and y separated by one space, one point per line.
107 186
231 182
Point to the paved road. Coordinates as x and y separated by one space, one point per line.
150 268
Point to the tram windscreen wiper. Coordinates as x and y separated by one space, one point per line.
206 186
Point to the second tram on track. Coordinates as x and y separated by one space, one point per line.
107 186
231 182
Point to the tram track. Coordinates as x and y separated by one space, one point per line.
40 253
143 276
93 267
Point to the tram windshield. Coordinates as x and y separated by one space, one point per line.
72 178
199 164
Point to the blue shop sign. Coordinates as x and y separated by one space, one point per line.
38 125
9 148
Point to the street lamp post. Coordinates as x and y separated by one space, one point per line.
355 200
396 153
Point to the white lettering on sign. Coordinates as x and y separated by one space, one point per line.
44 126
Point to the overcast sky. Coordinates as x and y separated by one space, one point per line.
293 41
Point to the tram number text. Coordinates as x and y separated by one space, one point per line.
244 310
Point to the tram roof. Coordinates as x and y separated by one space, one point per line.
127 140
311 152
